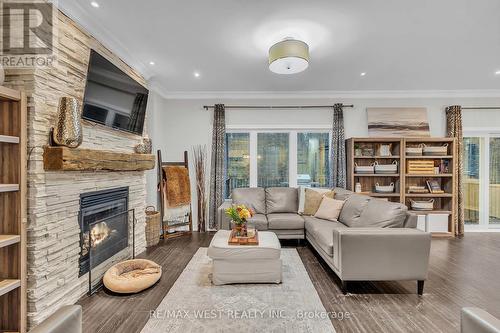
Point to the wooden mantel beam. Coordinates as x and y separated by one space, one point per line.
76 159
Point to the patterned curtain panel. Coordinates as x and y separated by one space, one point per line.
337 151
454 130
218 161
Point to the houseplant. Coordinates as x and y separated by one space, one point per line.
239 215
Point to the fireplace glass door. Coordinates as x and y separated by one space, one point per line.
104 226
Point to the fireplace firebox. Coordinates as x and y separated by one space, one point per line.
108 237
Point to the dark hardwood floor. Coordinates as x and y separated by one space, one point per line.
463 272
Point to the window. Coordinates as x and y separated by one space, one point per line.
277 158
313 159
272 159
237 161
482 180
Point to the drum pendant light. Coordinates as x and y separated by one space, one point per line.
289 56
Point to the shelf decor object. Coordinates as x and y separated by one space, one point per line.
13 183
68 129
416 172
421 167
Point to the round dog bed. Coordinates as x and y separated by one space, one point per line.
132 276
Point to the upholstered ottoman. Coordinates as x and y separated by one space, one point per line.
245 263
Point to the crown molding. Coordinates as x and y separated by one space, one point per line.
326 94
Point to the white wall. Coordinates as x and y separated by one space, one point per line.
176 125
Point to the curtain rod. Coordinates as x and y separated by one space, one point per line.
206 107
481 108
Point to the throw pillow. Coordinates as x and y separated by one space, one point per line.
329 209
312 200
302 195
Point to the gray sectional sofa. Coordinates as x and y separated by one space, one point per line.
275 210
373 240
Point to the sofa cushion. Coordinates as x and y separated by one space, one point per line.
322 232
302 195
312 199
354 205
259 221
329 209
285 221
282 200
253 198
342 193
382 214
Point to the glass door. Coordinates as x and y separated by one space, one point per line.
481 180
472 179
494 181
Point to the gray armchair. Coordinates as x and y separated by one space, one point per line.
65 320
475 320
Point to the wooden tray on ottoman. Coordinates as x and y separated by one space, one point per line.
235 240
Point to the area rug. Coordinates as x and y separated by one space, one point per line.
193 304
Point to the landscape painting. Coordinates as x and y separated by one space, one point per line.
397 122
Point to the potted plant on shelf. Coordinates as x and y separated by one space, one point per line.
357 150
239 215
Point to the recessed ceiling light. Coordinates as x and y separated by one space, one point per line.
363 74
196 74
497 72
152 63
94 4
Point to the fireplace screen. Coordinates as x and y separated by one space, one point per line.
103 244
104 226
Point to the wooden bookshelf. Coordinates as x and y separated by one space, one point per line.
444 203
370 154
13 218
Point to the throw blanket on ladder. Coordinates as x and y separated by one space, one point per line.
177 193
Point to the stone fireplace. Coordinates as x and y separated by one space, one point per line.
107 237
54 235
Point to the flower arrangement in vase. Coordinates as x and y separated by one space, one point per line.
239 215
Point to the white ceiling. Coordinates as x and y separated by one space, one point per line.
400 44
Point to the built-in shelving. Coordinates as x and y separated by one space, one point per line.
429 195
428 157
444 203
377 157
7 285
430 175
426 212
9 187
9 139
382 195
13 218
6 240
376 175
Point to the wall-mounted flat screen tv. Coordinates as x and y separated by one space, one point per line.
112 98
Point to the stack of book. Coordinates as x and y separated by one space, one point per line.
417 189
434 186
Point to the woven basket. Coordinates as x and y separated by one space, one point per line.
152 226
